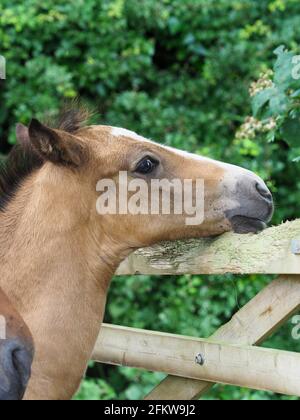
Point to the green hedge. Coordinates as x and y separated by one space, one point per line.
174 70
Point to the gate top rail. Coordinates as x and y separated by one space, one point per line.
274 251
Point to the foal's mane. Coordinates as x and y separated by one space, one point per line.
23 160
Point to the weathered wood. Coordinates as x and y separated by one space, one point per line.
270 252
267 253
253 367
251 325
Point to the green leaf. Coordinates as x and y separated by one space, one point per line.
291 131
278 104
261 100
270 102
296 94
283 68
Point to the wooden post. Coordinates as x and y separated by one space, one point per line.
252 367
267 253
273 251
257 320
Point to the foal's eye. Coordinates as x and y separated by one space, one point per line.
146 166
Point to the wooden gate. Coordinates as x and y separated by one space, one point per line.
231 355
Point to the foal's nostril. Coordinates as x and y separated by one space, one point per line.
263 191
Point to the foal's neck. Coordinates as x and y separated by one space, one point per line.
56 264
49 232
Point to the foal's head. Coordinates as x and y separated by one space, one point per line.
16 352
234 199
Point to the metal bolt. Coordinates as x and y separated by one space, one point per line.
199 359
296 246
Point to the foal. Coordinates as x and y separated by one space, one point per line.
58 254
16 352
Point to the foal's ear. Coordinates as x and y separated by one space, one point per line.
56 146
22 134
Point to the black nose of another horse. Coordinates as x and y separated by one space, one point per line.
264 192
15 369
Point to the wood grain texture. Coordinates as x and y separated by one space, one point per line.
253 367
270 252
266 253
252 324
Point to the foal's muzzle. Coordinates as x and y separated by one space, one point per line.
255 205
15 368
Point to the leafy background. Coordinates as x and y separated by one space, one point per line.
177 71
